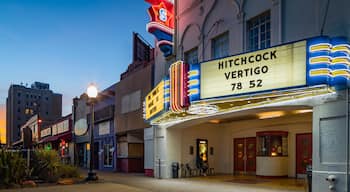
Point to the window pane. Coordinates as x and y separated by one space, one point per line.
191 57
108 155
220 46
259 32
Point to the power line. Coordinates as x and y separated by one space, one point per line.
324 18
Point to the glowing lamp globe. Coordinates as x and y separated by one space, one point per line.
92 91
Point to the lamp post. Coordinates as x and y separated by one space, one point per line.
92 93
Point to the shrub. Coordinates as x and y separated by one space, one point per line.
68 171
45 165
12 168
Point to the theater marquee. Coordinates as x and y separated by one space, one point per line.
269 69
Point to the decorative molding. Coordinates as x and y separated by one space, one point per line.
202 29
193 5
185 31
239 4
275 2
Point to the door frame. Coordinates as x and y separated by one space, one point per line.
296 150
245 153
234 154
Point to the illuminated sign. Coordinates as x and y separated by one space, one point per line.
162 24
329 61
178 73
193 82
155 101
269 69
45 132
80 127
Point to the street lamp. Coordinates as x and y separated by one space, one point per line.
92 93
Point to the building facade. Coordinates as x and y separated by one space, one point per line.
104 131
81 136
58 136
236 114
23 102
133 86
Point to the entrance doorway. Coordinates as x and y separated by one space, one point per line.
244 155
304 152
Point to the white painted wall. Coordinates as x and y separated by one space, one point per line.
148 148
220 137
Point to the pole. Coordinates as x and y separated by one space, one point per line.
347 139
28 162
92 175
159 169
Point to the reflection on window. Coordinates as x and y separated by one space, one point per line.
108 155
272 143
259 32
191 56
220 46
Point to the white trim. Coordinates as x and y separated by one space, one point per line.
330 172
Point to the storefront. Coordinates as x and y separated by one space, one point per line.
58 136
105 139
255 111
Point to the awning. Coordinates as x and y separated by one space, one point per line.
65 136
17 143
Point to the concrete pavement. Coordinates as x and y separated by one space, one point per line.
205 184
138 183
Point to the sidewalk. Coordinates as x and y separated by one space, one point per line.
91 187
109 181
205 184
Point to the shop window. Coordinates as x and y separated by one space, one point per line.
259 32
191 56
272 143
107 155
220 46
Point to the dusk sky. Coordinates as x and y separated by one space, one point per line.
67 43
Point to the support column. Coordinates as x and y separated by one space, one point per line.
330 145
160 161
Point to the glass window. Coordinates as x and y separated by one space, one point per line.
272 143
220 46
108 155
191 56
259 32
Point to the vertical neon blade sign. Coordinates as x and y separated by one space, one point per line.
178 87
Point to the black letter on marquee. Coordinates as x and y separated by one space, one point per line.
227 75
273 54
251 57
221 65
264 69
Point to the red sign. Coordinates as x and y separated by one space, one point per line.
161 25
162 11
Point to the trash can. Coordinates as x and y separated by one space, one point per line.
308 178
175 168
